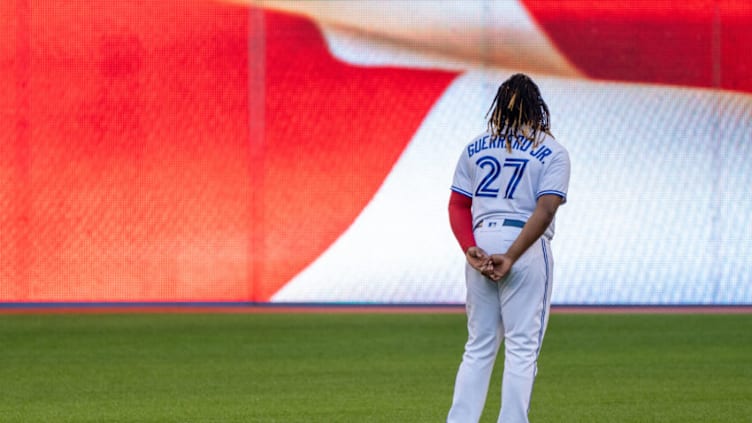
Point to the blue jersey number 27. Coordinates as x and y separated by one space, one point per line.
493 169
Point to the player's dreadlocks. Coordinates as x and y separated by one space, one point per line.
518 108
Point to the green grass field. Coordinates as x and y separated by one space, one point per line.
361 368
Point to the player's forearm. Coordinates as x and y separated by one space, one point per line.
534 229
536 225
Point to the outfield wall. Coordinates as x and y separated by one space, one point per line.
302 152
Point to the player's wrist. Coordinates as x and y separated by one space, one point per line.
513 254
466 248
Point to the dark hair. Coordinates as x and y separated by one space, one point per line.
518 108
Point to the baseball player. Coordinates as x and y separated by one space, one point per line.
507 187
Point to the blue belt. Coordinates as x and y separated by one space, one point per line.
514 222
507 222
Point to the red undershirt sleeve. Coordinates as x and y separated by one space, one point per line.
461 219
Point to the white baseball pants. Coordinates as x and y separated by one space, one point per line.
513 311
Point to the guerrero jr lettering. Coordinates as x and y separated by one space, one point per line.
519 143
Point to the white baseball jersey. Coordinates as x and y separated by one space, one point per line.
508 185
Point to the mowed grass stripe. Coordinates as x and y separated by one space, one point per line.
361 368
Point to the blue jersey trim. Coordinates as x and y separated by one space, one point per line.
461 191
559 193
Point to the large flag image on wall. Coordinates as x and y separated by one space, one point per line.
278 151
